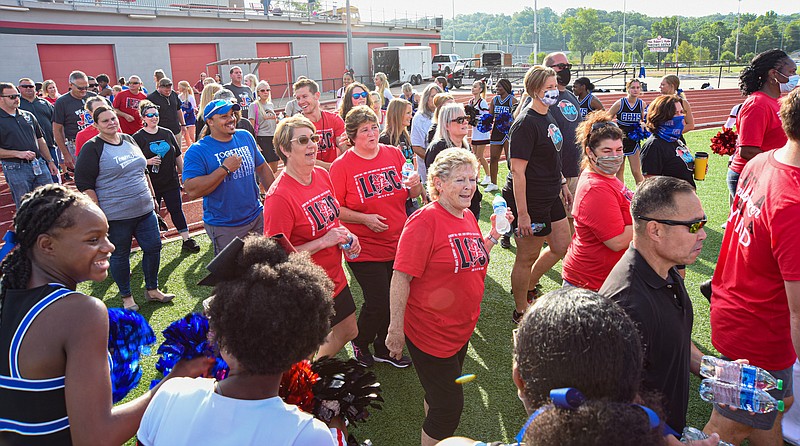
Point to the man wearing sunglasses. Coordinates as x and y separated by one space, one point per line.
126 104
668 222
70 116
169 108
42 110
24 154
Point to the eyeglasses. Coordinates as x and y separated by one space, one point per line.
10 96
151 115
601 124
27 86
461 119
303 140
362 95
80 88
693 225
265 90
561 66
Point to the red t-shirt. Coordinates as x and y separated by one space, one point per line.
602 210
373 186
329 127
306 213
760 250
446 257
83 136
759 126
129 103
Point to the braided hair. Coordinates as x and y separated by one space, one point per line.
754 76
39 212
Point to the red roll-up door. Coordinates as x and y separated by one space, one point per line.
413 44
370 47
188 60
58 61
280 75
332 62
434 48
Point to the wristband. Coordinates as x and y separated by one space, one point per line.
226 168
492 239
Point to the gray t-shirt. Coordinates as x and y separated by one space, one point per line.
117 175
292 108
566 112
244 95
265 122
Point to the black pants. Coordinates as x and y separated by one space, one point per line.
172 198
373 321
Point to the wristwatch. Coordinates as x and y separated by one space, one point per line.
563 181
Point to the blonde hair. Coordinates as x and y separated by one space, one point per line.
440 100
395 115
259 86
536 77
384 85
356 117
207 96
447 113
445 163
430 90
46 85
285 132
185 90
252 78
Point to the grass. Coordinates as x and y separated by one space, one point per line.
492 410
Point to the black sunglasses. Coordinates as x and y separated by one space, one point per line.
561 66
303 140
601 124
94 85
694 225
10 96
80 88
27 86
461 119
363 94
264 90
166 85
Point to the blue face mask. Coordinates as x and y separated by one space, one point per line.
671 130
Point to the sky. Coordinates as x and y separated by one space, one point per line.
652 8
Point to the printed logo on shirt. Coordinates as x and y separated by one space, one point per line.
84 119
685 155
326 142
125 160
132 103
245 100
630 117
555 135
28 118
378 183
248 166
322 211
469 252
568 109
746 210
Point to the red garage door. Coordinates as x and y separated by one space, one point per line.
280 75
412 44
188 60
370 47
58 61
332 65
434 48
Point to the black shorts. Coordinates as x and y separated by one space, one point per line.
498 137
343 306
267 148
629 146
542 211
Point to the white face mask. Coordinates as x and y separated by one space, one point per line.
790 84
550 97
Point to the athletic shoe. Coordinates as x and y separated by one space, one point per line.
486 180
724 225
401 363
517 317
491 188
535 293
362 356
190 246
505 242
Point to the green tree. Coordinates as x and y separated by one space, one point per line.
727 56
791 36
686 52
586 33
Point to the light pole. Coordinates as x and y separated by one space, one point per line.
349 37
535 32
755 49
454 26
719 45
738 22
623 29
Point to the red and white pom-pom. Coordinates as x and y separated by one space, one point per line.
724 142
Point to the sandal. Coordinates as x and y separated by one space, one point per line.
132 307
157 296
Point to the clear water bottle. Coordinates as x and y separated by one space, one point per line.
408 168
346 246
37 167
749 399
499 207
691 434
155 167
743 375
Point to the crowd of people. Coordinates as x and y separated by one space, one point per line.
390 187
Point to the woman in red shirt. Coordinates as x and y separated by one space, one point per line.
603 224
301 205
437 288
370 187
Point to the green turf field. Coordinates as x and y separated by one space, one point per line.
492 410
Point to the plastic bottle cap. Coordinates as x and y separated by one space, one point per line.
780 384
780 406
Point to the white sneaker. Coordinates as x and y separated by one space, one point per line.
486 180
491 188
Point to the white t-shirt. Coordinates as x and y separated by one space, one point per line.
187 411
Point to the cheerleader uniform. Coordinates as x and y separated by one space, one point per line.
498 138
629 118
478 137
585 106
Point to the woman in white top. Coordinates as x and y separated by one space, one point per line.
382 87
347 79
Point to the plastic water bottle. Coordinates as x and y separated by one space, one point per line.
155 167
749 399
408 168
346 246
743 375
500 207
691 434
37 168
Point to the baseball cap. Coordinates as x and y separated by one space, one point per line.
220 106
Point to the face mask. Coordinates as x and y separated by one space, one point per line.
563 77
609 165
550 97
791 84
671 130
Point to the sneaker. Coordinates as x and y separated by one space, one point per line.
705 289
517 317
190 246
535 293
486 180
724 225
401 363
362 356
505 242
491 188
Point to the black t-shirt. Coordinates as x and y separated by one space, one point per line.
669 159
43 111
19 132
161 143
69 112
168 109
404 145
662 312
433 151
537 139
243 94
567 115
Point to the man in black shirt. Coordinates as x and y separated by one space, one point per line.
70 116
169 107
43 111
668 231
243 93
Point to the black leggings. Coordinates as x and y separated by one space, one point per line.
373 321
172 198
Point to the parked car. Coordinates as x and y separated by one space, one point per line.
443 64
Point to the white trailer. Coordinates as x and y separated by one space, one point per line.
403 63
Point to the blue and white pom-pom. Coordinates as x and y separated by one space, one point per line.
485 123
638 134
502 122
129 337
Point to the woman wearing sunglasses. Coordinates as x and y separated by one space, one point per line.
262 116
451 131
302 206
602 206
354 95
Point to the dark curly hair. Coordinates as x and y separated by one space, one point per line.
40 211
574 337
753 77
276 313
595 423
